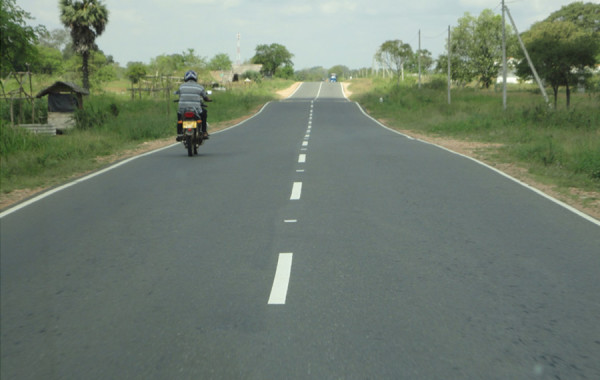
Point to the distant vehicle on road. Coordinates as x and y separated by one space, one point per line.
333 78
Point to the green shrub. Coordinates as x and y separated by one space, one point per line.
436 82
22 111
15 139
96 111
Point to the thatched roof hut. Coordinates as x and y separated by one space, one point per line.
63 99
64 96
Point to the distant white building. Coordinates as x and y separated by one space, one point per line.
510 78
235 74
511 75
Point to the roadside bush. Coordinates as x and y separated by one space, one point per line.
96 111
253 76
141 120
436 82
14 139
22 111
593 84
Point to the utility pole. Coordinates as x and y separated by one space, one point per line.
504 69
239 55
535 74
373 67
449 72
419 52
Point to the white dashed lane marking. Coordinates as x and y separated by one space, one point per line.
281 280
284 264
296 191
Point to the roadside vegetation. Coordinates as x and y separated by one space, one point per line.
558 147
133 106
108 125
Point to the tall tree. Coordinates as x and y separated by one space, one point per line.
191 61
558 49
272 57
220 62
167 64
56 39
586 16
285 72
86 20
48 61
135 72
313 74
17 39
342 71
394 54
476 47
426 61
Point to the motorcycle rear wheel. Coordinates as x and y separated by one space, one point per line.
190 145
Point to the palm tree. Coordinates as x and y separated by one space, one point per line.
86 19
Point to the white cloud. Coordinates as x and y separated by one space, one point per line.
483 4
139 30
333 7
184 2
297 9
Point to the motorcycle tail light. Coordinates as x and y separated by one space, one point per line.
189 115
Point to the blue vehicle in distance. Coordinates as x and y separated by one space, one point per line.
333 78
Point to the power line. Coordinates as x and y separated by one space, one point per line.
436 36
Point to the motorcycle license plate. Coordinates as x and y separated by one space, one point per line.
189 124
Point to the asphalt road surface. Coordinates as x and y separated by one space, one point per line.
309 242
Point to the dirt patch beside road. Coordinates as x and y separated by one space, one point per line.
288 91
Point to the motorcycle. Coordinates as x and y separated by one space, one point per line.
191 128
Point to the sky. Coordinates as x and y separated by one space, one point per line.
318 33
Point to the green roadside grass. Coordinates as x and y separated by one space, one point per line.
558 148
108 126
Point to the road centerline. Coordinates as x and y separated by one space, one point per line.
296 191
281 280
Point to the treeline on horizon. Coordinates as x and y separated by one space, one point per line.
565 48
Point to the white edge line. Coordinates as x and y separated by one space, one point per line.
281 280
242 122
55 190
318 93
295 91
75 182
343 92
537 191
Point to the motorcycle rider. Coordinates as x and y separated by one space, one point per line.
191 96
